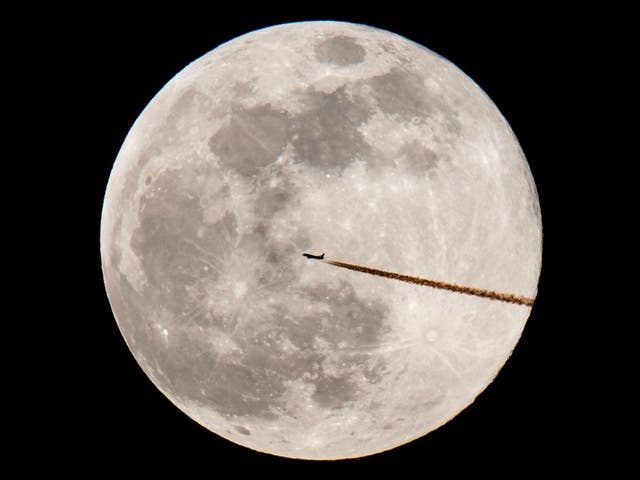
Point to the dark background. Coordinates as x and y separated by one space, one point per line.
531 419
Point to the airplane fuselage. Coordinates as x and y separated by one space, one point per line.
313 257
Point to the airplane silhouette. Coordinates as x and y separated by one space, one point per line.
313 257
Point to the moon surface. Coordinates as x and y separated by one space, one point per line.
319 137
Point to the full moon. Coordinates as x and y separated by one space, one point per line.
320 137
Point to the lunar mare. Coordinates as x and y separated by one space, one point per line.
319 136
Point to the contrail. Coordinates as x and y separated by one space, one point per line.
503 297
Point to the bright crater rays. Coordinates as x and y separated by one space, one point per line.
319 137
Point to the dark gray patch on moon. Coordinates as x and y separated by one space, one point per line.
348 324
114 251
167 214
172 240
242 430
418 159
399 92
431 404
347 317
402 92
340 50
332 391
235 386
251 140
326 136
